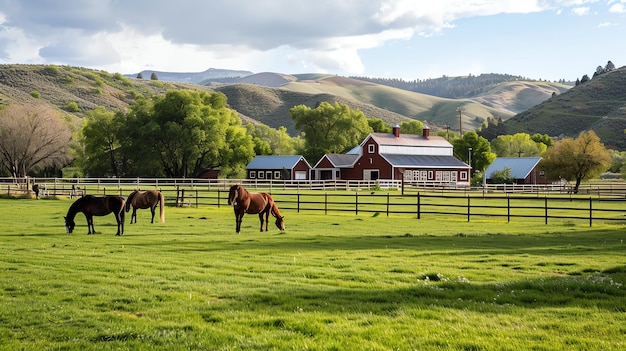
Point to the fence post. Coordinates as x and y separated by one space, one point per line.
590 211
419 215
387 204
356 202
196 198
298 203
468 207
508 208
219 195
545 205
325 203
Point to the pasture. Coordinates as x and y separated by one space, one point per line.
330 282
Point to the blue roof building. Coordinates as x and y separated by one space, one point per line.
276 167
524 170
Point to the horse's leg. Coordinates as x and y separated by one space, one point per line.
134 215
261 219
120 222
90 225
152 210
237 221
267 219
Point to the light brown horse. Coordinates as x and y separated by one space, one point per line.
91 206
145 199
246 202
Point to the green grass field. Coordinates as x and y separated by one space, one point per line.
336 282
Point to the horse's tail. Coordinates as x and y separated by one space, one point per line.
130 200
161 207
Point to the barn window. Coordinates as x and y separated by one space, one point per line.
252 174
276 174
261 175
371 148
463 175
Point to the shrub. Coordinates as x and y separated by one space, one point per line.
72 106
35 94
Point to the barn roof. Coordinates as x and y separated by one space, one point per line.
424 161
409 140
520 166
341 160
275 162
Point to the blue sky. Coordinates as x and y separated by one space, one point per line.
407 39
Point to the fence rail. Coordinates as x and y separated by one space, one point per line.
600 202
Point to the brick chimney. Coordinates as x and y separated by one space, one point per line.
396 130
426 132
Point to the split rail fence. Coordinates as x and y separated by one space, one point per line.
599 203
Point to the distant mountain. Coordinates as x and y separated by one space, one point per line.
211 74
598 104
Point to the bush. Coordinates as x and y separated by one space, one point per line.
35 94
72 106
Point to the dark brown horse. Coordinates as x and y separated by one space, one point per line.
91 206
145 199
246 202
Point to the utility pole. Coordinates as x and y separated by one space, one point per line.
447 126
459 110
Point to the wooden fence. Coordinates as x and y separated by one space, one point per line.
598 202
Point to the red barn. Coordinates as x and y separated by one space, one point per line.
420 159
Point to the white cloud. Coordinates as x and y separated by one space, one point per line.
617 8
581 11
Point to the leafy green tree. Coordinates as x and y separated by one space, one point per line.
412 127
480 151
277 141
543 138
517 145
139 75
329 128
502 176
378 125
191 131
100 141
153 76
577 159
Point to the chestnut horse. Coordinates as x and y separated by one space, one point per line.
145 199
91 206
246 202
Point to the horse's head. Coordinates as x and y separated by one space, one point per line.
233 194
280 223
69 225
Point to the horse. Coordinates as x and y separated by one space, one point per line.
91 206
246 202
145 199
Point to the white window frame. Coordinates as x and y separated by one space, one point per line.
371 148
276 174
252 174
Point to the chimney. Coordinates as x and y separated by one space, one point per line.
426 132
396 130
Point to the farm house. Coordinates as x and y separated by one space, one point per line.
419 159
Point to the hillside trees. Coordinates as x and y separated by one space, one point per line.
31 139
577 159
179 134
329 128
517 145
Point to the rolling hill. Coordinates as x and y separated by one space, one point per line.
598 104
267 97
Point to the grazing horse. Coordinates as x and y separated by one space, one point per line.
91 206
262 203
145 199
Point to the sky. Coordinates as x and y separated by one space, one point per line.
404 39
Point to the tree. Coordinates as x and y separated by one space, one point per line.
577 159
153 76
189 132
502 176
139 75
277 142
609 66
329 128
378 125
412 127
32 138
481 151
517 145
100 139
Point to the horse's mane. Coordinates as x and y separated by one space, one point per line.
130 199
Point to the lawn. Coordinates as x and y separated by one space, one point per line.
335 282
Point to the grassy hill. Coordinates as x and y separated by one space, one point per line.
598 104
267 97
